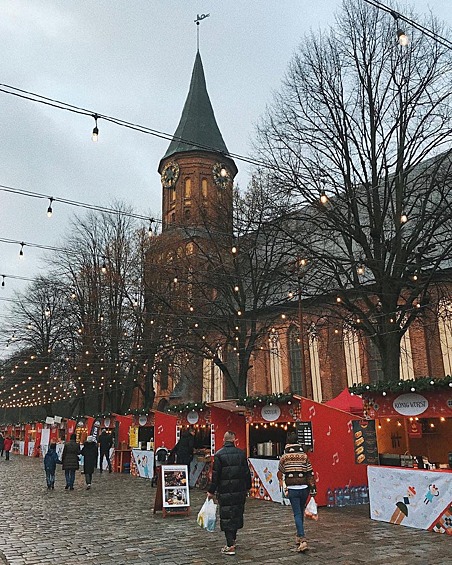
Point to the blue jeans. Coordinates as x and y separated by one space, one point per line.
50 478
70 477
298 499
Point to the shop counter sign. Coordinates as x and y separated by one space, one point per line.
192 417
410 404
304 435
415 429
365 442
270 413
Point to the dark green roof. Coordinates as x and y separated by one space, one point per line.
197 129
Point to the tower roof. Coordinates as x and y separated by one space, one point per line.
197 129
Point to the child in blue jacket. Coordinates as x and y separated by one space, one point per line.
50 463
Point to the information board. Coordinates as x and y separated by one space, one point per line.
365 442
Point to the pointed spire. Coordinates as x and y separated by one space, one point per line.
197 127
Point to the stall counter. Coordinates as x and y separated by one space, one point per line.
412 497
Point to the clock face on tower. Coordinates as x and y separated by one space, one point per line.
170 174
221 175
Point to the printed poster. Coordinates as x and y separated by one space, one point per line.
144 463
175 486
365 442
413 498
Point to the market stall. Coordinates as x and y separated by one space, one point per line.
327 433
147 433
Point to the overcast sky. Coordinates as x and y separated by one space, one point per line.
131 59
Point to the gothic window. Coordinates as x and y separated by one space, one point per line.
445 334
173 218
406 358
187 214
173 194
188 188
374 361
207 380
218 388
275 363
295 360
204 188
352 357
315 364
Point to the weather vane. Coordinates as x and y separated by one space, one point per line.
199 18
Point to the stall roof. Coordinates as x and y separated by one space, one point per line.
230 405
348 402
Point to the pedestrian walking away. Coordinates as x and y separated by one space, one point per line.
105 444
50 462
231 481
90 454
71 451
296 475
7 444
182 452
2 444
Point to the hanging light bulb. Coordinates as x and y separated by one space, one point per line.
234 250
47 311
21 252
104 267
360 270
49 209
3 280
402 38
323 198
95 134
403 218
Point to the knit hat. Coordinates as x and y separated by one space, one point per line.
90 439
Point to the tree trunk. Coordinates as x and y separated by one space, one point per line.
390 356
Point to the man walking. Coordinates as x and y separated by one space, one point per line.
2 444
231 481
105 444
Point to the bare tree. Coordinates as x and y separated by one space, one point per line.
359 139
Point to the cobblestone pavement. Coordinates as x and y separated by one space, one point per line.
114 524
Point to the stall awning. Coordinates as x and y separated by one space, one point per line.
347 402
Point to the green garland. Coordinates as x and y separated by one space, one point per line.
412 385
251 401
136 412
188 407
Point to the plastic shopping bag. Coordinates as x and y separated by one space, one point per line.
207 516
311 509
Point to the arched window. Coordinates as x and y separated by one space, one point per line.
188 188
207 380
218 379
295 360
352 358
406 358
173 218
204 188
275 363
314 360
445 334
173 194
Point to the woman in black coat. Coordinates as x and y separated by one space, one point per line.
231 481
90 456
69 458
184 448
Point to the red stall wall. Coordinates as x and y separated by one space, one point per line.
224 420
333 458
123 431
164 430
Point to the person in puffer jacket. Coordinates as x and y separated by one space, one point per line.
231 481
295 470
50 462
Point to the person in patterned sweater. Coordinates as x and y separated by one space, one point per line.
295 470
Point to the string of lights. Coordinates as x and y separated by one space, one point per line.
52 102
85 205
398 16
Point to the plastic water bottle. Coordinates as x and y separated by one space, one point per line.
347 496
336 497
364 496
353 500
340 497
329 498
